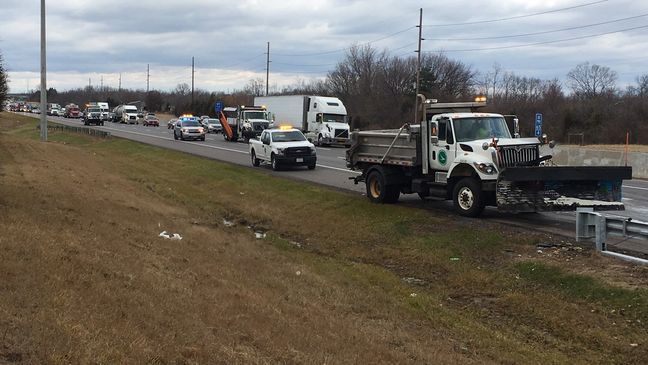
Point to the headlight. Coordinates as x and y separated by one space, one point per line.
280 151
200 130
486 168
184 130
312 150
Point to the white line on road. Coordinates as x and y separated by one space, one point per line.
633 187
222 148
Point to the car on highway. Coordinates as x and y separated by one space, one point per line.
150 120
281 147
188 128
171 123
213 125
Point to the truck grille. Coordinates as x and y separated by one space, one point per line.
509 156
341 133
297 151
259 126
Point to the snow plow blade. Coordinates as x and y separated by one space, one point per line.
561 188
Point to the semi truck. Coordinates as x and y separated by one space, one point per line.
322 119
126 114
473 159
243 121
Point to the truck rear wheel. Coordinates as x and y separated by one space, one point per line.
468 198
378 191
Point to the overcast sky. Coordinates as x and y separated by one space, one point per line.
95 39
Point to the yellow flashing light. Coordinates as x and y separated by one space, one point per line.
285 127
186 115
480 99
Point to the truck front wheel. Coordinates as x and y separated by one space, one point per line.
378 191
255 160
274 162
468 197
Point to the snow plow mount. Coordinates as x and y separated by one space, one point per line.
560 188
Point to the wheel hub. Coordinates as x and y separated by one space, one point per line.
466 198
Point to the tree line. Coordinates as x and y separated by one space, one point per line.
379 92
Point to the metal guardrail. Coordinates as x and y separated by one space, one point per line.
80 130
591 225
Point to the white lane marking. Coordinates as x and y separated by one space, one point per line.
323 149
170 139
341 157
633 187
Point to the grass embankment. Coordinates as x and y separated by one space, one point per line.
336 280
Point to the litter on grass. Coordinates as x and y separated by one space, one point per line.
228 223
168 236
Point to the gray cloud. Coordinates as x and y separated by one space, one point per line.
117 36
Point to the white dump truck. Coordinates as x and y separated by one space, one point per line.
473 159
322 119
244 121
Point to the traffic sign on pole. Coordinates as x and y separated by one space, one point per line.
218 107
538 124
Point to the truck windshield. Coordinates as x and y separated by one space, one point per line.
289 136
93 110
255 115
470 129
334 118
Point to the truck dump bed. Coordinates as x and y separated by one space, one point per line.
388 146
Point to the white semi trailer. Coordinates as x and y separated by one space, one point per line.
323 119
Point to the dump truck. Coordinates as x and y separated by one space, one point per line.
243 122
474 159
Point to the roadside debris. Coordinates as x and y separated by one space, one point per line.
260 235
168 236
413 295
454 259
414 281
228 223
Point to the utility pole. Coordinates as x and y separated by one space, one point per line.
267 69
192 83
119 88
418 67
43 85
148 75
101 83
89 83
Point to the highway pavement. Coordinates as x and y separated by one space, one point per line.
331 171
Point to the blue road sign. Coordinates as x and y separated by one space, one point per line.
538 124
218 106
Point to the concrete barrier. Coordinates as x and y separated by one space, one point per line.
578 156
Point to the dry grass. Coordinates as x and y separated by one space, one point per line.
86 279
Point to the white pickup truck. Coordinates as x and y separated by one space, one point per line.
282 147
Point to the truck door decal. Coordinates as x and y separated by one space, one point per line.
443 157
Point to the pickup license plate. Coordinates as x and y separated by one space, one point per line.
299 160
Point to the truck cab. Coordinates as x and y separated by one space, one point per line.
245 122
327 121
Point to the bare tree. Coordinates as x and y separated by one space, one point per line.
255 87
591 80
4 80
444 78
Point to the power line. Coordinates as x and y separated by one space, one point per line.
517 16
346 48
538 43
537 33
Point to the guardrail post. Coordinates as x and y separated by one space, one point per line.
601 233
